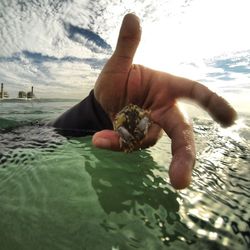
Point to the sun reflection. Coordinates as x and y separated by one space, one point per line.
212 235
233 132
218 223
225 241
220 164
201 232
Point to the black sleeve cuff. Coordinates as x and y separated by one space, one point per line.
85 118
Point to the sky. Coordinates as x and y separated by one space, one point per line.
60 47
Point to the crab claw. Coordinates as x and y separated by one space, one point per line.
125 137
142 128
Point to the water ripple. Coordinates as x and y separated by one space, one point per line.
220 187
47 176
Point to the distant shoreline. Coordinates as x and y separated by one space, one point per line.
24 100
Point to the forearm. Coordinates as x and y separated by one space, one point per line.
85 118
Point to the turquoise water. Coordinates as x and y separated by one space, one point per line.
62 193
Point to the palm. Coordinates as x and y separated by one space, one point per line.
121 83
138 85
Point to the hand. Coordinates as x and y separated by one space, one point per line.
121 83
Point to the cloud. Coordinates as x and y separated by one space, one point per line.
230 67
64 75
39 58
87 37
237 64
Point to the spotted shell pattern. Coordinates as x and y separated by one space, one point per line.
132 124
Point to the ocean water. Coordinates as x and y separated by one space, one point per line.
62 193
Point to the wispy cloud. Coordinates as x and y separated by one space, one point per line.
27 68
39 58
88 38
66 43
230 68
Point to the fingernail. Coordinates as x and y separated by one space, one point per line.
132 22
102 143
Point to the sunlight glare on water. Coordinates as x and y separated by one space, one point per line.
65 193
62 193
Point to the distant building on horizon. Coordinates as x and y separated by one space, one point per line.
29 95
3 94
22 94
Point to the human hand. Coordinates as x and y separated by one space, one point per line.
122 82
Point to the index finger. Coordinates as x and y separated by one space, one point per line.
128 41
220 110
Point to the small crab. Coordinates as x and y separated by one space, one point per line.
132 124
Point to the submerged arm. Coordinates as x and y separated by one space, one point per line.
85 118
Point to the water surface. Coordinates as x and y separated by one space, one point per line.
62 193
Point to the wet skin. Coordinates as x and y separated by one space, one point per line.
121 82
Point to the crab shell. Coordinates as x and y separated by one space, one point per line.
132 124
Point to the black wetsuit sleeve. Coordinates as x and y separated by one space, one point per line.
85 118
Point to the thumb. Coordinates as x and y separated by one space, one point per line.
107 139
128 41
